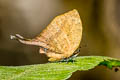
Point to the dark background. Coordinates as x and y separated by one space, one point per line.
100 18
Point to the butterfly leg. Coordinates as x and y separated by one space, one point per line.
60 57
69 59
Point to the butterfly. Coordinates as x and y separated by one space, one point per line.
60 39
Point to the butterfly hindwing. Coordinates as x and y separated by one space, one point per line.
60 38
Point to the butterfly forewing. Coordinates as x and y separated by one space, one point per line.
63 34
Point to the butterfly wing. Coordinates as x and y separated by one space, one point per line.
64 33
61 37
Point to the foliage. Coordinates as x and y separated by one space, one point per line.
55 71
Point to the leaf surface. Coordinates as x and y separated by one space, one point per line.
55 71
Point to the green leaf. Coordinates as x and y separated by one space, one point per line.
55 71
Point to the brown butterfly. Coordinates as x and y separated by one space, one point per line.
60 38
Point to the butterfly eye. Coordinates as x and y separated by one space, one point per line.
45 49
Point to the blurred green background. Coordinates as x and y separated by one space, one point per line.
100 18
